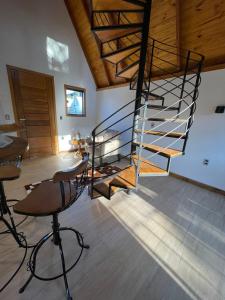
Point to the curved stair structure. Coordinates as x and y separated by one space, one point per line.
156 123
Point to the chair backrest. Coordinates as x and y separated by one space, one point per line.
76 178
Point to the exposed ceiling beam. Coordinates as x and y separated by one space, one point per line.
195 24
80 19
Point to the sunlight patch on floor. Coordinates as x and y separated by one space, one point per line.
193 264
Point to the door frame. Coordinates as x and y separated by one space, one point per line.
52 111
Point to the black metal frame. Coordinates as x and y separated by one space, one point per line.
21 242
56 238
118 14
19 237
95 134
11 229
136 2
79 184
142 63
195 97
150 60
3 203
4 208
143 53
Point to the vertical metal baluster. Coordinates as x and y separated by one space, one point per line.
193 107
150 70
184 79
93 164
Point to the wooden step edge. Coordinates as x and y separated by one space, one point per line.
174 134
166 152
106 36
127 68
148 168
137 2
116 27
105 189
119 51
127 72
126 179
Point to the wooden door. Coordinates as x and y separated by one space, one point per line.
34 108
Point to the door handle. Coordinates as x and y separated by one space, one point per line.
22 119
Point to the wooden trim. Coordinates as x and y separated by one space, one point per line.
213 67
13 100
9 67
205 69
197 183
53 115
9 127
75 88
52 112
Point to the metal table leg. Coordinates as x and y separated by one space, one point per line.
3 203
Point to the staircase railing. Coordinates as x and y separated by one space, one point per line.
111 19
168 73
119 116
123 116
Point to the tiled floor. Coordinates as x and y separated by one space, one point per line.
166 241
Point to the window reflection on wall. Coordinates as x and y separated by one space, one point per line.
75 101
58 55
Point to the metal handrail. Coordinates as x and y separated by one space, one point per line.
143 106
180 74
113 114
105 154
112 137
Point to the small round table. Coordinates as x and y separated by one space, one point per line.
14 150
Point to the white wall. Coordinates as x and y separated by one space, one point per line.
39 35
207 136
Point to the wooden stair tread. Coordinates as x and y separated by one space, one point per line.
148 168
126 178
137 2
103 189
129 71
107 35
174 134
97 174
167 152
119 55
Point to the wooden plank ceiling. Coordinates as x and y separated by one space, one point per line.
194 24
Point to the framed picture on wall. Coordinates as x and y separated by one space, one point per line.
75 98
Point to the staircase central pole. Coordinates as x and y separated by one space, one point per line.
142 63
143 52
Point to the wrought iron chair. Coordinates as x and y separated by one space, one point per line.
49 199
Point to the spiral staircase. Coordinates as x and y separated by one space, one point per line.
156 123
